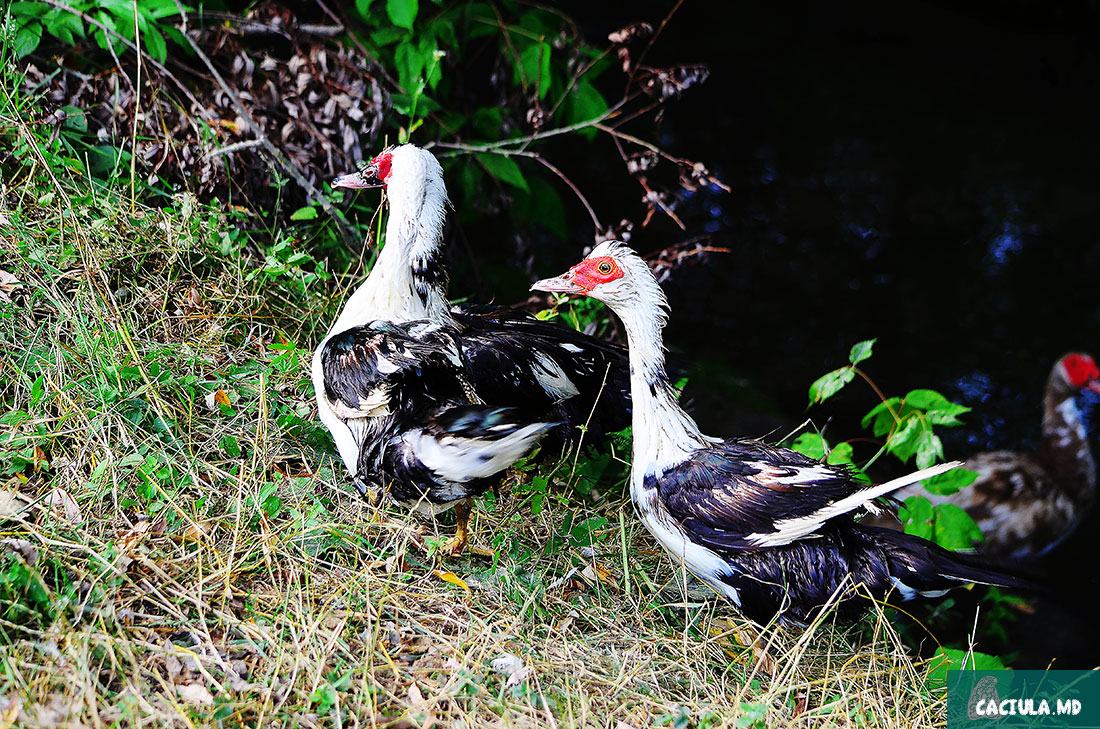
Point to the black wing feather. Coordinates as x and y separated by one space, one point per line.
723 494
416 367
501 350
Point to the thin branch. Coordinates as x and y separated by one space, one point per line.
235 147
641 57
576 191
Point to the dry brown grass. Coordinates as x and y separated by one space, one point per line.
163 586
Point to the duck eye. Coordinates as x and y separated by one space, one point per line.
604 268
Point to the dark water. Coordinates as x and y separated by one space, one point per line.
915 172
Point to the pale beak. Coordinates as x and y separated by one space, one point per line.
565 284
366 177
1093 385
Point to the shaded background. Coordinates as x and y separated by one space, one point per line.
915 172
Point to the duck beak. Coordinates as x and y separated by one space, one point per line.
564 284
364 178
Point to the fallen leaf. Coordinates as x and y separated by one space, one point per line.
596 572
506 663
513 666
12 505
452 578
11 713
41 462
196 531
66 506
9 284
195 693
417 703
216 398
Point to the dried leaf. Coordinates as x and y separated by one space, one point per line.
65 506
513 666
21 547
195 693
216 398
11 712
596 572
452 578
637 31
41 462
673 81
12 505
9 284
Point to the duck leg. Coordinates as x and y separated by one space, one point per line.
461 541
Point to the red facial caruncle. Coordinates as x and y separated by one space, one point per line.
380 165
1081 371
591 272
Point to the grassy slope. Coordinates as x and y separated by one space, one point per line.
170 560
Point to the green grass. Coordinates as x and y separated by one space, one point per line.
179 548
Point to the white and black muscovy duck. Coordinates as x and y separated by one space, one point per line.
398 351
402 406
769 528
1027 503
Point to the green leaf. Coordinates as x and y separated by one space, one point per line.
811 445
948 483
585 104
584 534
929 448
63 25
952 528
752 715
25 10
959 660
432 61
160 9
444 33
363 8
534 68
830 384
546 207
917 515
388 35
307 213
504 169
906 439
402 12
27 39
486 122
155 44
926 400
861 351
881 416
841 453
230 445
75 119
410 60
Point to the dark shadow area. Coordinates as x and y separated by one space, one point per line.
915 172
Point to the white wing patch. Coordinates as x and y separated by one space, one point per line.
464 459
374 405
384 366
772 474
553 378
788 530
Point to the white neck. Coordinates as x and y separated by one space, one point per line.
407 280
664 435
